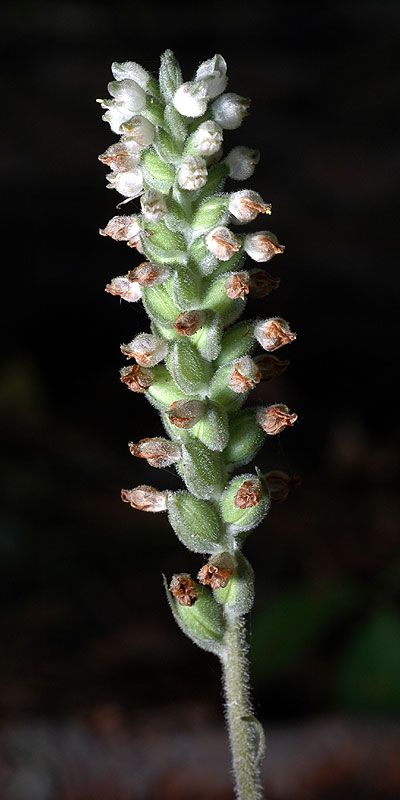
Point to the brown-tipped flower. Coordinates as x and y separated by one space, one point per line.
280 484
186 413
157 451
222 243
125 228
125 288
146 349
237 285
262 246
261 284
246 204
136 378
249 494
245 375
183 588
148 274
145 498
189 322
217 571
273 333
274 419
270 366
122 156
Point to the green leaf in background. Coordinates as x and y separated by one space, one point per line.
285 631
369 672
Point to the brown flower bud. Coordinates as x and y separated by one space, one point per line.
189 322
148 274
273 333
121 156
183 588
262 246
136 378
274 419
148 350
237 285
246 204
125 228
270 366
186 413
261 284
222 243
245 375
280 484
249 494
157 451
217 571
145 498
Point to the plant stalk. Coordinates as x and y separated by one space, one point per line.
238 709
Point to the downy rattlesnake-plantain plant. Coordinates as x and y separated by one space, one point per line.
195 366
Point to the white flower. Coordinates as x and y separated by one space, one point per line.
125 289
244 376
208 137
222 243
273 333
262 246
129 184
154 205
125 228
193 173
129 93
115 115
229 110
131 70
146 349
140 130
246 205
213 72
191 99
122 156
241 162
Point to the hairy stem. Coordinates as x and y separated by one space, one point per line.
238 709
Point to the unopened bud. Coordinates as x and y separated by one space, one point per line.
149 274
128 93
280 484
275 419
125 288
183 588
121 156
154 205
131 70
146 349
273 333
230 109
122 229
249 494
140 130
270 366
191 99
247 204
261 284
213 74
217 571
157 451
136 378
262 246
145 498
245 375
237 285
241 162
222 243
208 138
189 322
186 413
192 173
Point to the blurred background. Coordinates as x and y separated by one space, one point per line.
101 695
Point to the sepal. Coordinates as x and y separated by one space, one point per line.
196 522
170 75
238 594
202 622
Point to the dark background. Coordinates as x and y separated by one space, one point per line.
87 637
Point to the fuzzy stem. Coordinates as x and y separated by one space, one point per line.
238 709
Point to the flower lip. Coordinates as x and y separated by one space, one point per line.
136 378
249 494
189 322
273 333
145 498
245 375
275 419
237 285
183 588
